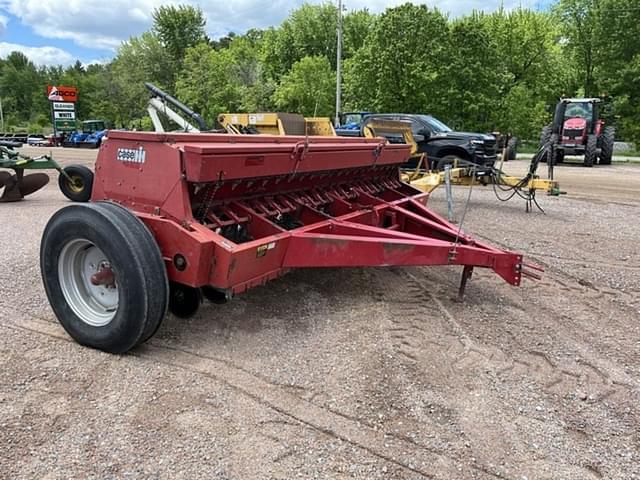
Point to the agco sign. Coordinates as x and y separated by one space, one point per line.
62 94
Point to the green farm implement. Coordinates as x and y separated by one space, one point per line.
75 181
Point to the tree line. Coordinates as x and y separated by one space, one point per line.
480 72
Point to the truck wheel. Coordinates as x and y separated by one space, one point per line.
78 189
606 149
591 151
104 276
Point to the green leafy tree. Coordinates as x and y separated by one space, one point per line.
534 69
141 59
399 66
179 28
618 63
580 19
20 84
311 31
207 83
309 88
474 74
254 88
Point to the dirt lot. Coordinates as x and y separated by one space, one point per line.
354 373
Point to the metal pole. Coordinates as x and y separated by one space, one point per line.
55 130
448 191
1 116
339 65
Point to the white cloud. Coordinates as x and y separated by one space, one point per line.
3 24
103 25
97 61
39 55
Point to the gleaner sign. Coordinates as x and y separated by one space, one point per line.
62 94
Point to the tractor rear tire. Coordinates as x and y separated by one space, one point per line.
79 189
545 135
102 242
591 151
606 147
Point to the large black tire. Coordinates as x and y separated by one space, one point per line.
545 139
79 189
591 151
545 135
553 155
606 145
98 237
512 148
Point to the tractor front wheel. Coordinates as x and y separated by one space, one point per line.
591 151
104 276
77 184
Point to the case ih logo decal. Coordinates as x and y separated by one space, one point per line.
132 155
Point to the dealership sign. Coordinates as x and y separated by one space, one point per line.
64 115
65 125
63 107
62 94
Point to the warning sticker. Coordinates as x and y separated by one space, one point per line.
262 249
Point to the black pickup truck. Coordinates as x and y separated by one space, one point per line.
441 144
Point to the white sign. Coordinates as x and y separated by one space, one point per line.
64 115
63 106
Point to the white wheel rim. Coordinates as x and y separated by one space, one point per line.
79 260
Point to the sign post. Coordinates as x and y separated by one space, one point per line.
63 108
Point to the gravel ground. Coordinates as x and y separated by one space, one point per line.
351 373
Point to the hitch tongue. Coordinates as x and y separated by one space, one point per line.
528 273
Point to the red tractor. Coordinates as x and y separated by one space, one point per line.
577 129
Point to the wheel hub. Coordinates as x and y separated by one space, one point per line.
88 282
76 185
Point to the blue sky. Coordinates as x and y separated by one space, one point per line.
54 32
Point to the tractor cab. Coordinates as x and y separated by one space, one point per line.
92 126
